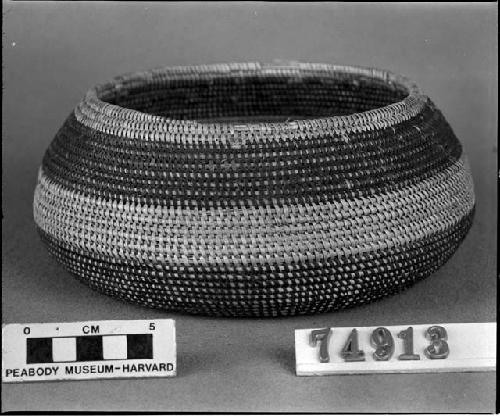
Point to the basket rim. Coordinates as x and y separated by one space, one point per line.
95 112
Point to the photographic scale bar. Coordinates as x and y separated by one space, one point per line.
89 348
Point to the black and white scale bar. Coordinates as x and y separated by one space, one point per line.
89 348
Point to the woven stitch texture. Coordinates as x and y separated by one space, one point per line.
254 189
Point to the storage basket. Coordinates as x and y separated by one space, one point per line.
254 189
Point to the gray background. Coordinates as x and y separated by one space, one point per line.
54 52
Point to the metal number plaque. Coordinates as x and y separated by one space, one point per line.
459 347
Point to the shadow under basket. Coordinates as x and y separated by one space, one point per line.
254 189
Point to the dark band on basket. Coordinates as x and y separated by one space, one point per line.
209 176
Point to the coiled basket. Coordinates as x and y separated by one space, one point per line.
253 189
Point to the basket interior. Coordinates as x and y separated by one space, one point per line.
255 96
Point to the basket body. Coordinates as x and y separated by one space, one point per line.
359 191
